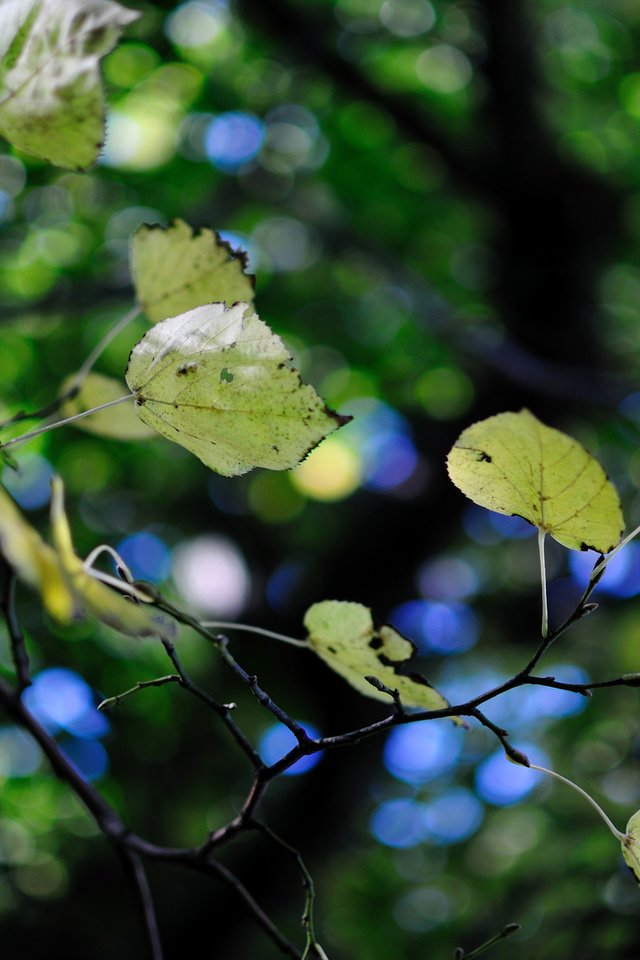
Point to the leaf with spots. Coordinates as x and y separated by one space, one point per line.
120 423
51 98
342 633
217 381
175 269
516 465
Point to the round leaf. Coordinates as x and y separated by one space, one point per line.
175 269
514 464
216 380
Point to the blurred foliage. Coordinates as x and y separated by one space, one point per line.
441 202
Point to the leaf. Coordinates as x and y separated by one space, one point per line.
51 100
514 464
119 422
343 635
175 269
69 592
216 381
33 560
631 845
96 599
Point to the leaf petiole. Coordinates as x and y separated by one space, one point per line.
219 624
61 423
100 347
614 830
543 584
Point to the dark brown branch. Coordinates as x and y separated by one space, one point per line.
214 868
135 869
222 709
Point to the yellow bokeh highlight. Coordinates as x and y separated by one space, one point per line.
332 472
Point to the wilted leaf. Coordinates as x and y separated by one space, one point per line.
216 380
118 422
514 464
343 635
33 560
51 100
98 600
175 269
631 845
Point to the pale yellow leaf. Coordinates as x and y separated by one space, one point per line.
51 99
33 560
217 381
343 635
127 615
516 465
175 269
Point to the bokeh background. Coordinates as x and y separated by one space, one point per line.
441 203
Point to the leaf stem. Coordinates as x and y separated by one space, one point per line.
100 347
543 583
221 625
62 423
614 830
605 560
78 378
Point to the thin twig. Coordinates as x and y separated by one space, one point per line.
135 869
214 868
311 946
142 685
222 645
112 826
222 709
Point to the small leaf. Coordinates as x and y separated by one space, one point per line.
175 269
631 845
33 561
514 464
98 600
51 100
216 380
343 635
120 422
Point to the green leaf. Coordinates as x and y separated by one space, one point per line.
121 422
216 380
514 464
175 269
631 845
51 100
343 635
